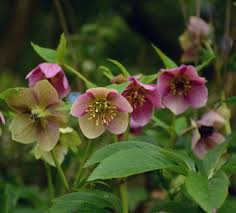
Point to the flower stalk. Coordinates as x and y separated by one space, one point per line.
60 171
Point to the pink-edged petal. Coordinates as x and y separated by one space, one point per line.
136 82
34 76
120 102
216 138
22 100
23 129
176 103
80 105
45 94
89 127
212 118
2 119
197 96
196 137
191 72
50 70
142 114
163 83
119 124
101 92
200 149
155 98
48 135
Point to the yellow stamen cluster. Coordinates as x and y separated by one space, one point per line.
136 96
180 86
101 111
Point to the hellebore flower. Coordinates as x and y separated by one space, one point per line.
143 98
99 109
60 153
54 74
38 115
198 27
2 119
207 133
182 87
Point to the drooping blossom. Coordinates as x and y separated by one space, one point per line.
59 150
100 109
207 133
54 74
2 119
39 114
191 40
143 98
182 87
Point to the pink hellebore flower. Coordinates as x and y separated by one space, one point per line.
198 27
99 109
38 115
143 98
207 133
2 119
182 87
54 74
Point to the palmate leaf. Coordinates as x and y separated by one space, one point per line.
129 158
86 201
208 193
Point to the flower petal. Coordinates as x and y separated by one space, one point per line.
119 124
45 93
101 92
21 101
212 119
200 149
80 105
142 115
23 129
120 102
197 96
163 83
2 119
155 98
34 76
89 127
191 72
176 103
48 135
50 70
136 82
216 138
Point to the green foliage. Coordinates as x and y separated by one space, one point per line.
47 54
119 87
208 193
165 59
147 79
86 201
128 158
120 66
61 50
180 125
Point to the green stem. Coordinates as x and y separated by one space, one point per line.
88 83
123 196
60 171
83 160
49 177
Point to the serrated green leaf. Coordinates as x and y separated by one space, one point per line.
85 199
212 158
120 66
47 54
208 193
129 162
61 49
110 149
165 59
119 87
147 79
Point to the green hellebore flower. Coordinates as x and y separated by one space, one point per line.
39 115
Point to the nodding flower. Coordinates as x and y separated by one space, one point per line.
182 87
100 109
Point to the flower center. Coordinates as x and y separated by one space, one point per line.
206 131
101 111
136 97
180 86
